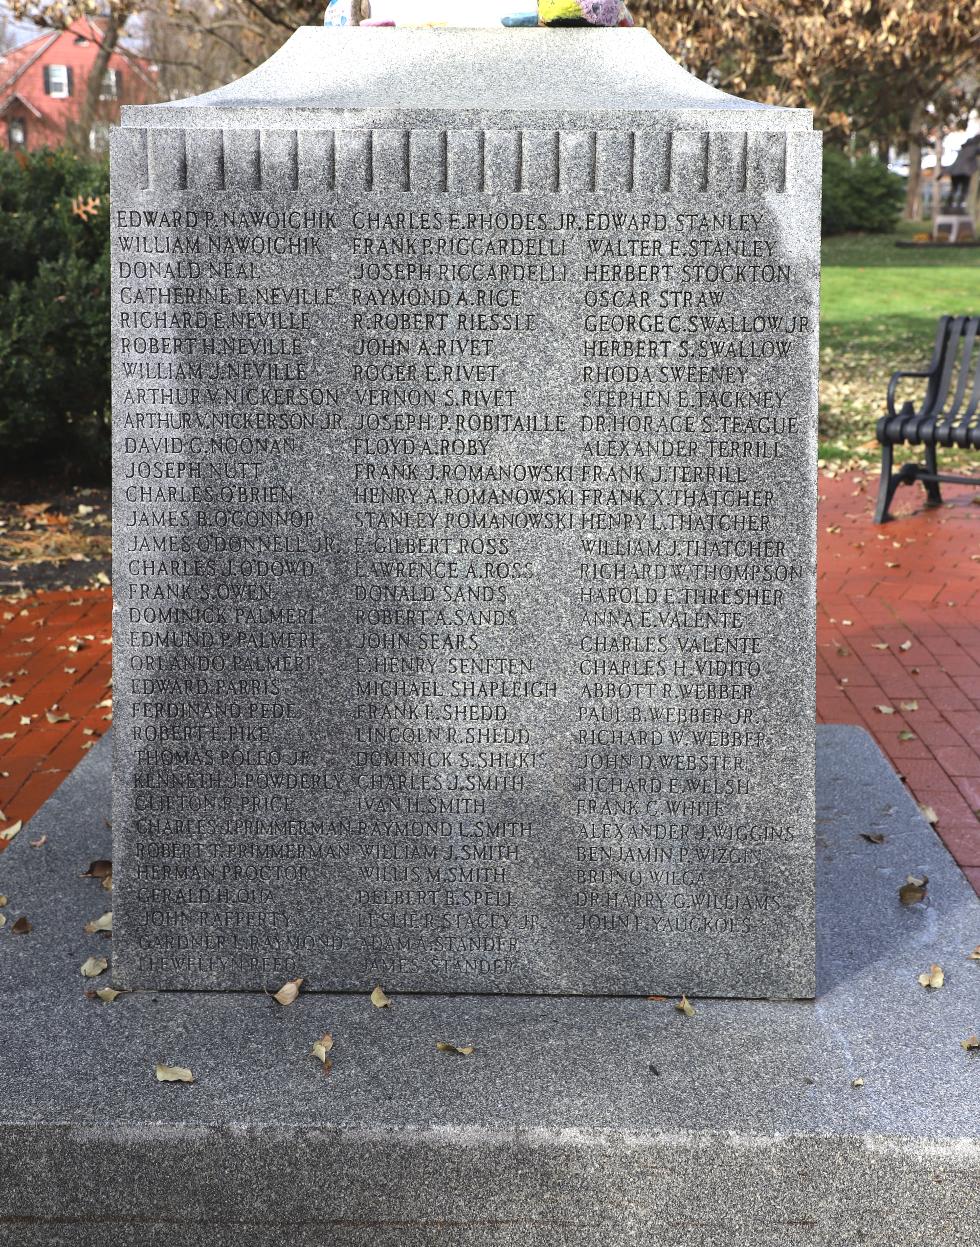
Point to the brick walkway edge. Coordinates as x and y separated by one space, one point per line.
898 642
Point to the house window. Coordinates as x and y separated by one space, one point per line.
17 132
110 85
98 137
57 81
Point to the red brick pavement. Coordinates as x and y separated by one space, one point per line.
898 652
898 642
55 692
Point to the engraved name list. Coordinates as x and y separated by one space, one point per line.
462 587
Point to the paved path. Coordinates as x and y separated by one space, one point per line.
55 699
898 652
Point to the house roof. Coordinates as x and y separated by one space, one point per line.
20 59
16 98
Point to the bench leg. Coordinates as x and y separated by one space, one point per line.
886 486
934 497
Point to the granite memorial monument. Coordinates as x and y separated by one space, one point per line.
464 593
464 523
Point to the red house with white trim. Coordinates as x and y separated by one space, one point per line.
43 85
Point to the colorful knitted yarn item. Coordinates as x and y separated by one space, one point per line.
595 12
476 13
342 13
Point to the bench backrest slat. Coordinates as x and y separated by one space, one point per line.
973 407
954 330
969 336
938 354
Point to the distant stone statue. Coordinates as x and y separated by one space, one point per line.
962 170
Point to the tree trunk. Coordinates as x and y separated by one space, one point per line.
914 135
913 188
93 89
937 174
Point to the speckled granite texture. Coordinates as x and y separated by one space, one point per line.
465 477
577 1121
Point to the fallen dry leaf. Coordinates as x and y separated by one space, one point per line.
98 869
39 843
3 901
3 920
971 1045
909 705
684 1006
882 645
905 646
379 999
934 978
907 736
975 955
885 709
913 889
22 926
873 837
106 994
442 1046
106 884
94 966
56 716
929 814
322 1048
8 833
99 924
173 1073
857 1082
287 994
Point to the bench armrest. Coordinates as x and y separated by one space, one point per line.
903 376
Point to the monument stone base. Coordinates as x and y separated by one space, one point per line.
576 1122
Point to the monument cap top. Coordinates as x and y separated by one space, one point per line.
588 69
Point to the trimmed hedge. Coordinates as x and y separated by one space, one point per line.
859 195
54 314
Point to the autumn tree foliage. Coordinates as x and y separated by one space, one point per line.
873 71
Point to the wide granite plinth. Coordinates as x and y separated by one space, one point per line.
577 1120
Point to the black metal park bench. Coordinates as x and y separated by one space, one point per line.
948 416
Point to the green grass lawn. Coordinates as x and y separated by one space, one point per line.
879 307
